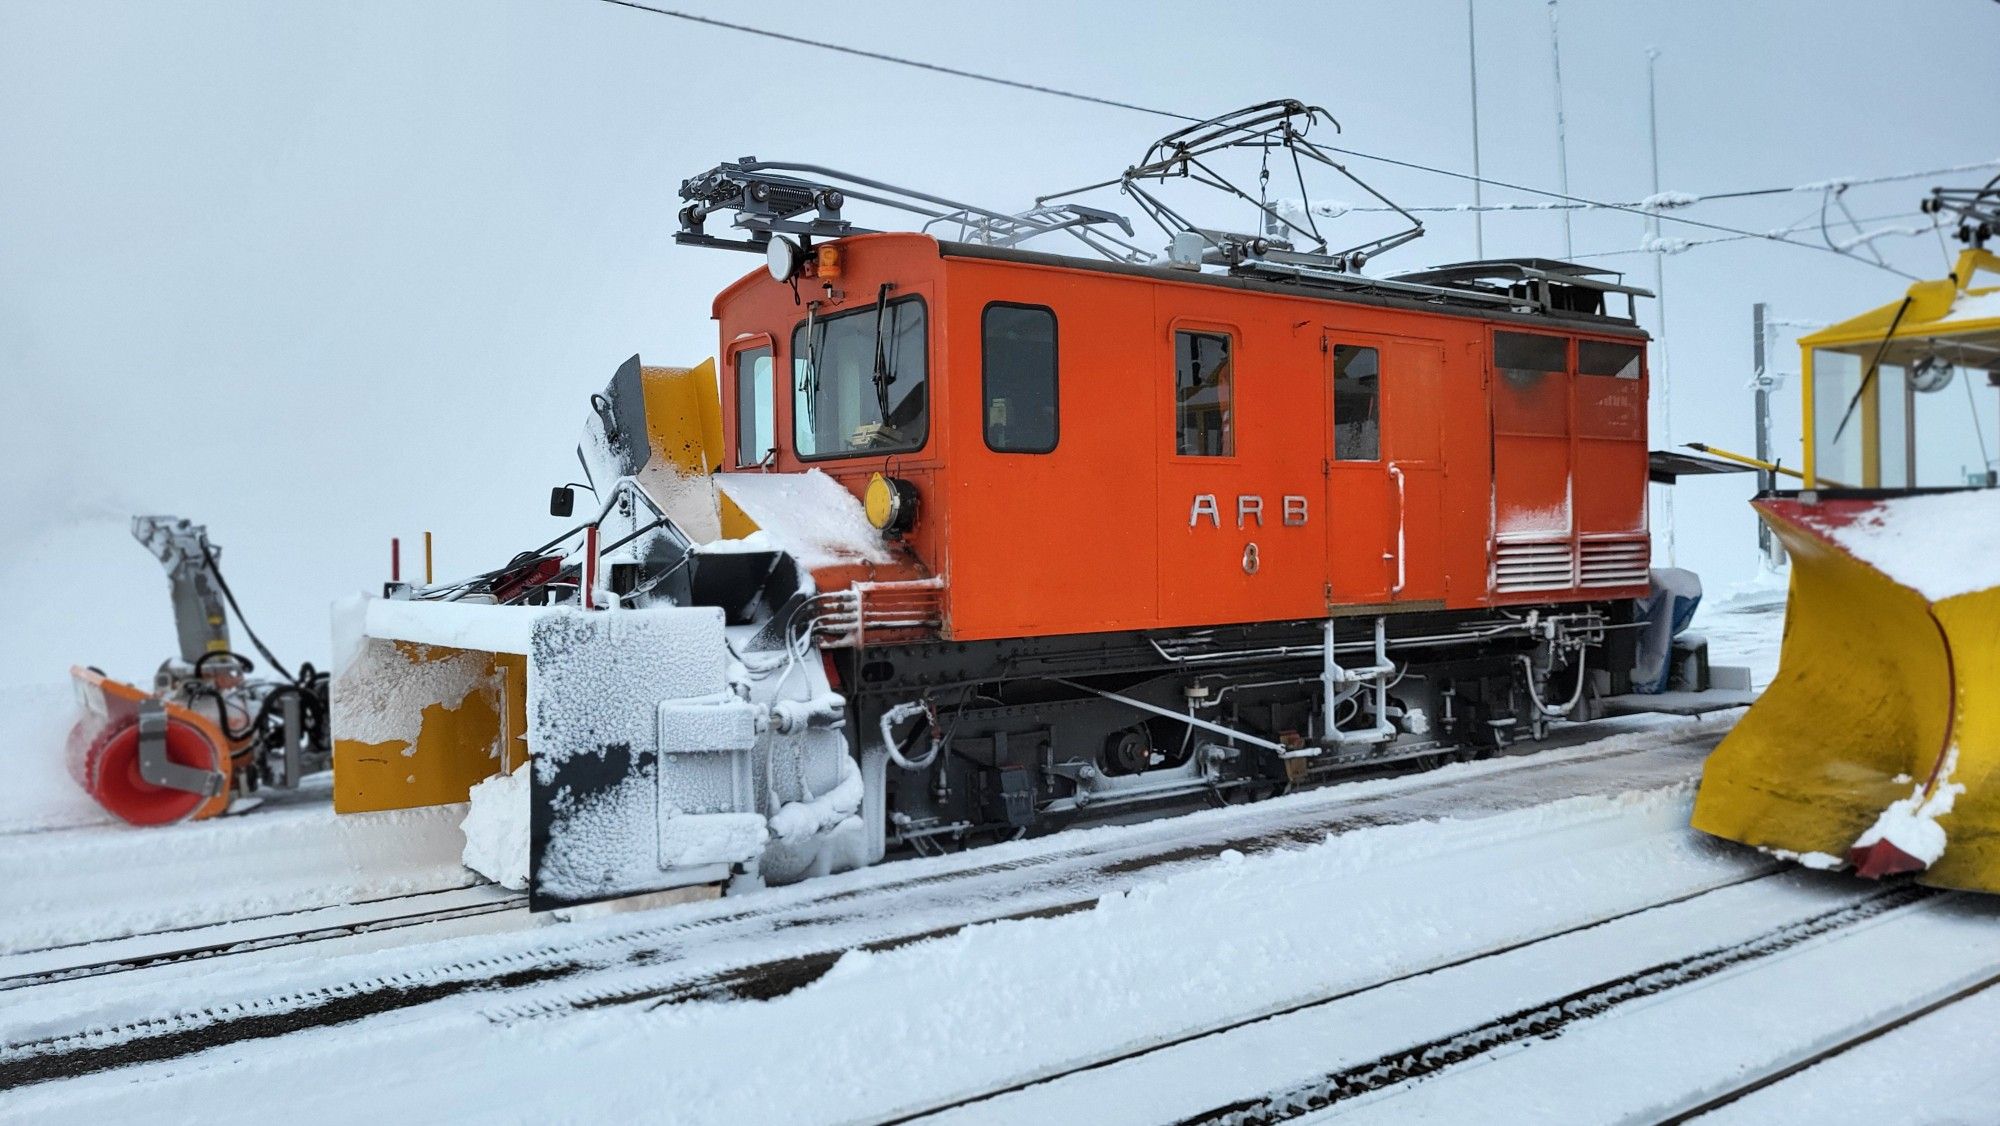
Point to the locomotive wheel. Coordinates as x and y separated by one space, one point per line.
111 767
1128 752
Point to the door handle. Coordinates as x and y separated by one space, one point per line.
1402 504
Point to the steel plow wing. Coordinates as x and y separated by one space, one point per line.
1877 744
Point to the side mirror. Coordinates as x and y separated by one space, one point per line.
562 500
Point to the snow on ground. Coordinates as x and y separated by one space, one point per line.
909 1025
1689 1044
1938 1070
77 885
39 793
1745 625
1200 941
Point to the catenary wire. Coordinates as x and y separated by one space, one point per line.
977 76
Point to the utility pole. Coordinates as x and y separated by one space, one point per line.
1762 382
1478 198
1562 135
1662 383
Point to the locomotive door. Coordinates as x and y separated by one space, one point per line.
1384 470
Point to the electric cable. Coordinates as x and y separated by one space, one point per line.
977 76
222 584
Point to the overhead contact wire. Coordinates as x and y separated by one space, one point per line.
1073 95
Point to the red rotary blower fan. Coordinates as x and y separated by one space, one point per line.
208 732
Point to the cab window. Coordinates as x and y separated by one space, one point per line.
1018 378
1357 403
756 406
1204 395
860 381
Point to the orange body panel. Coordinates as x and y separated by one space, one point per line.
1115 530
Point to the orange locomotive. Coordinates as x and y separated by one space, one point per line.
1098 448
1001 538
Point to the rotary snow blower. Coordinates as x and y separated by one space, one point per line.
1878 744
208 732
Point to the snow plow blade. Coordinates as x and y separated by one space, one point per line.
418 724
1878 743
654 760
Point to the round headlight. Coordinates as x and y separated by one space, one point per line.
891 503
782 257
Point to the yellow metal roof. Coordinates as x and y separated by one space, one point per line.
1944 308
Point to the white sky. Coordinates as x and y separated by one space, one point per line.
320 274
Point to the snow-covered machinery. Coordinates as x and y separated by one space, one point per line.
965 541
208 731
681 726
1878 744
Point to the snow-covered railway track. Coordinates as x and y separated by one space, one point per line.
1385 1068
1548 1019
774 943
73 961
1677 1011
1891 1022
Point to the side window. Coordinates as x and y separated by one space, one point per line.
1018 378
1523 358
1357 403
1531 395
1596 357
756 406
1204 388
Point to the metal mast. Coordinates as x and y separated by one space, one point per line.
1562 137
1661 381
1478 198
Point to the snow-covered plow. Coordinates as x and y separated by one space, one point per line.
677 728
1878 745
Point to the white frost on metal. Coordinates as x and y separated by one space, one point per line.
829 824
1549 520
380 695
595 682
810 515
1667 201
690 840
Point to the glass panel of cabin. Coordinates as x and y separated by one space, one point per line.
1204 385
1018 378
756 406
1953 416
1357 403
860 382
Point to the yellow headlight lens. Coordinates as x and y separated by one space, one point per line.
880 501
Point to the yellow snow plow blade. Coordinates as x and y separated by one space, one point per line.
422 724
1878 743
419 724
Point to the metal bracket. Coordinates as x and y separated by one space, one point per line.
154 765
183 549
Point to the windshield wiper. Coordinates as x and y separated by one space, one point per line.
883 376
809 378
